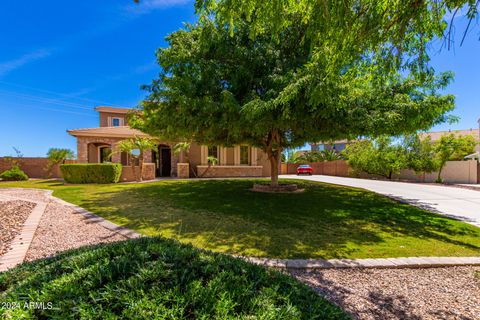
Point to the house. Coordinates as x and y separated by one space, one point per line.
338 145
97 145
435 136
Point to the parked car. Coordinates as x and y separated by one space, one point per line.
304 169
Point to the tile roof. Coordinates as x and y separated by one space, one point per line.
112 109
120 132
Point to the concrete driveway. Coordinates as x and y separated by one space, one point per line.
458 203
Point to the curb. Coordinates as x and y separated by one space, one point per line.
93 218
392 263
21 243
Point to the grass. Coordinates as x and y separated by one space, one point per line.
326 221
152 278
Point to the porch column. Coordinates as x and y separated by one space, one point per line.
203 155
223 156
82 150
236 155
116 156
253 156
147 157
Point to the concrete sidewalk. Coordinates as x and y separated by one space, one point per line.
458 203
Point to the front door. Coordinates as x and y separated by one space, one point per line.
165 161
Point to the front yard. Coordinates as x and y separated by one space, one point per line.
326 221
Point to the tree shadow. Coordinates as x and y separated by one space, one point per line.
326 221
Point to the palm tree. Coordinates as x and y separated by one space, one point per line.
136 148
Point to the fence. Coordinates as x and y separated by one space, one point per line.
453 172
330 168
33 167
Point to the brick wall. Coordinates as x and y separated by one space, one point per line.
33 167
128 174
329 168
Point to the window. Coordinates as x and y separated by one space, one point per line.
244 156
213 152
115 122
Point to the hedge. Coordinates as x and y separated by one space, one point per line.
91 172
14 174
155 278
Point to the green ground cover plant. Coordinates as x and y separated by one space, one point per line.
326 221
154 278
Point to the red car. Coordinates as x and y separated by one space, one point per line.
304 169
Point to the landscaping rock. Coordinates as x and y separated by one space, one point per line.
433 293
61 228
12 217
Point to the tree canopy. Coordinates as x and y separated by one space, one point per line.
281 84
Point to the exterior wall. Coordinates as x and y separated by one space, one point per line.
34 167
128 174
261 160
230 156
104 118
229 171
86 152
87 149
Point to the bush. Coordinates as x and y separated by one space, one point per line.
14 174
153 278
91 172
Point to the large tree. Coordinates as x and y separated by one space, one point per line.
222 88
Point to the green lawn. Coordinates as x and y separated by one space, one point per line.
326 221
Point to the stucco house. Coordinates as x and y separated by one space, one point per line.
435 136
95 145
337 146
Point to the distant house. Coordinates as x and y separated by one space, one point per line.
338 145
96 145
436 135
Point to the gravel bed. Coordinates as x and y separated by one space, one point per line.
431 293
12 217
26 194
61 229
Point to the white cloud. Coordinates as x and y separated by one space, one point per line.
146 6
8 66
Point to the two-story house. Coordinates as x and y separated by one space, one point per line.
97 145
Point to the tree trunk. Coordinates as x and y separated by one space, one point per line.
274 152
439 176
274 160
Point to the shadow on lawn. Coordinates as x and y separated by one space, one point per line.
326 221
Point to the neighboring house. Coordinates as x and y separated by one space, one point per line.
435 136
95 145
338 145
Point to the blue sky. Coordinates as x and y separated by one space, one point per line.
59 60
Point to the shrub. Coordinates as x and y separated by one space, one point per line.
14 174
91 172
153 278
